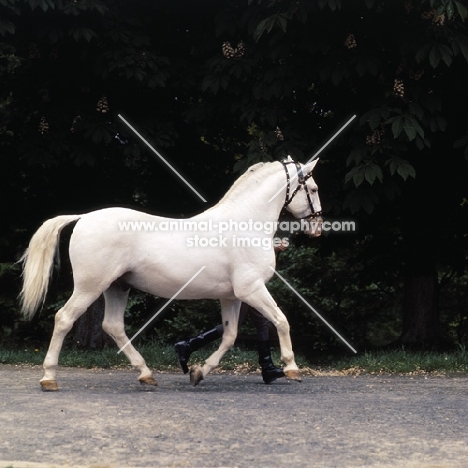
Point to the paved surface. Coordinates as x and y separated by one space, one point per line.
104 418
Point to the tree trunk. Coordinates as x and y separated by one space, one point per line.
88 332
420 316
420 238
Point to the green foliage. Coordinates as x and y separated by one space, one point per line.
163 358
406 362
406 95
265 26
179 320
221 87
8 302
401 167
462 143
343 289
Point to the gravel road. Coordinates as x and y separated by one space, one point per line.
106 419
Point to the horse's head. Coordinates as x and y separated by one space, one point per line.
302 198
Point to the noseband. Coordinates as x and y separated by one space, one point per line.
302 183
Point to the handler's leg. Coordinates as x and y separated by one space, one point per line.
269 371
185 348
261 300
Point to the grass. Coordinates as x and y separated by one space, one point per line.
163 357
401 361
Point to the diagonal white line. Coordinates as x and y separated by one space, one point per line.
331 139
315 155
313 310
161 309
161 158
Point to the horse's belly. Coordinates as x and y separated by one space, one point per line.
197 284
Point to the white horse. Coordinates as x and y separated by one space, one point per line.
161 256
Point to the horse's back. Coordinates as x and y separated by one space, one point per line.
138 247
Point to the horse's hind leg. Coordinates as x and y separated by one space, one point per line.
64 320
113 324
230 313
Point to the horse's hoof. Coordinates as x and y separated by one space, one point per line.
293 375
49 385
148 381
196 375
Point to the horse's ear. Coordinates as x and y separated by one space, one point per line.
310 166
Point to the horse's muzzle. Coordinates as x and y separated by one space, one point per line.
315 226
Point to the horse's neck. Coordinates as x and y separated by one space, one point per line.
254 197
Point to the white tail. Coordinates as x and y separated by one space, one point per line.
38 261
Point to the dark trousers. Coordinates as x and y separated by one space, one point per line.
262 325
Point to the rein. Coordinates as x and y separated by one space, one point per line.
302 183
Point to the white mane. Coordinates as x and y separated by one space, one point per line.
246 178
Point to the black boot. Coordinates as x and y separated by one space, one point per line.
185 348
269 371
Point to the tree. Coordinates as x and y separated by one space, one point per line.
87 331
67 69
222 85
292 71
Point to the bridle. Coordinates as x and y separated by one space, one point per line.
302 183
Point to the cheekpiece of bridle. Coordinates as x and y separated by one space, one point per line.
302 183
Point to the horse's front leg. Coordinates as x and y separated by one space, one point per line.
261 300
230 313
